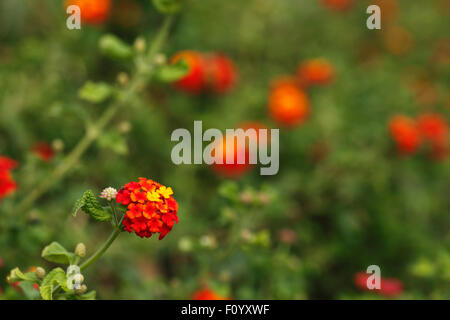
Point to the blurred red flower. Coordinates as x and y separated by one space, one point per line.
232 170
92 11
434 129
7 184
315 72
195 81
207 294
405 133
151 208
388 286
43 150
256 126
213 72
338 5
221 74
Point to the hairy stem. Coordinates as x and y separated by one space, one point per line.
95 130
101 250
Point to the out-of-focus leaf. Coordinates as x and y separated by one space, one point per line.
168 6
172 72
95 92
113 141
113 47
17 275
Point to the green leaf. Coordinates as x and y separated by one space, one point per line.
55 252
89 204
95 92
115 48
29 290
55 277
17 275
113 141
172 72
168 6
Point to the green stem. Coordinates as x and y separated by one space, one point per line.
101 250
95 130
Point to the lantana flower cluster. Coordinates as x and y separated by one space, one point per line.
151 208
7 184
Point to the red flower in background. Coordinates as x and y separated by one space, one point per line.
43 150
409 133
207 294
288 104
405 133
338 5
195 81
92 11
256 126
315 72
221 73
151 208
434 129
7 184
213 72
232 170
388 286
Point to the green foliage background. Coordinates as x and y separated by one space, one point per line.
358 203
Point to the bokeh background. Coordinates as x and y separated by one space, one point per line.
345 197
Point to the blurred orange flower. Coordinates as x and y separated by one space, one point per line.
232 170
92 11
405 133
315 72
288 104
207 294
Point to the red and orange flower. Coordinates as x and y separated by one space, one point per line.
7 184
151 208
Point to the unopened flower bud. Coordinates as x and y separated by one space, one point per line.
78 278
124 127
208 241
108 194
123 78
139 44
81 290
58 145
40 272
80 250
160 59
246 197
